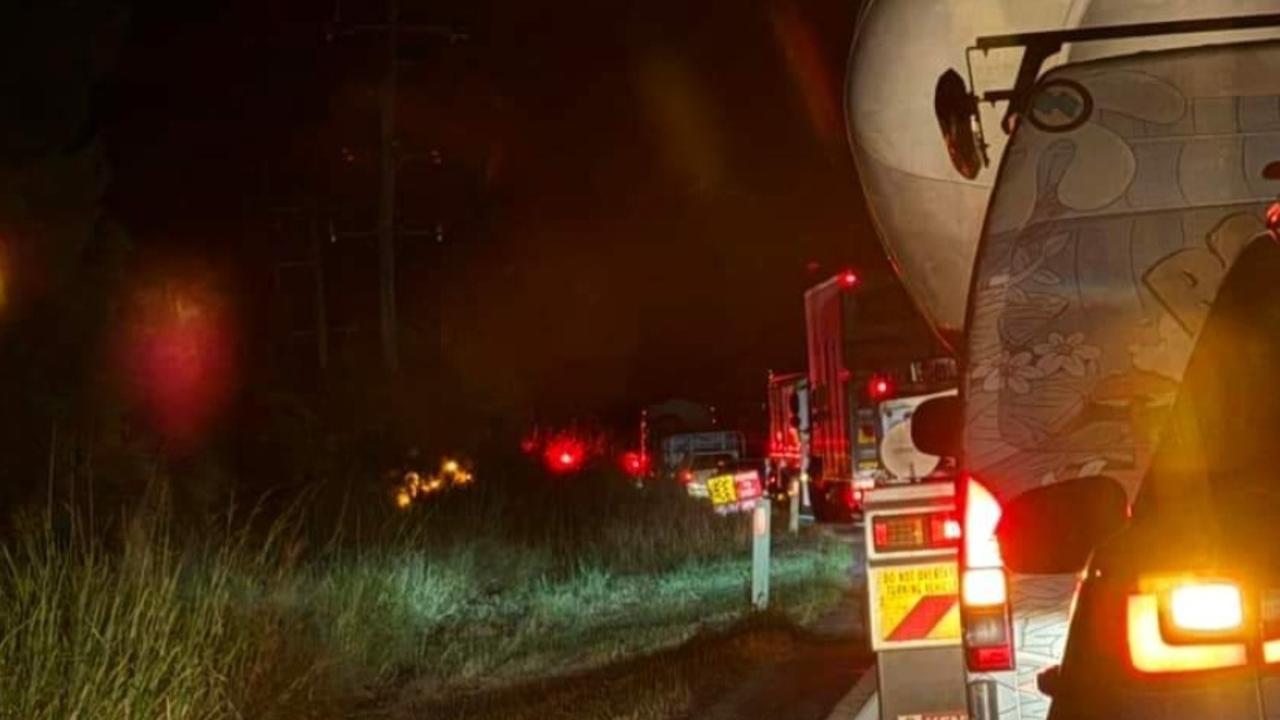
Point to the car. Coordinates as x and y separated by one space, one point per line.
1178 614
696 471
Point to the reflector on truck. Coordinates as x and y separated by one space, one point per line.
916 606
912 575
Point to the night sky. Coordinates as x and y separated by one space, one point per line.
634 194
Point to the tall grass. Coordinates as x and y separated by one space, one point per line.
145 632
483 587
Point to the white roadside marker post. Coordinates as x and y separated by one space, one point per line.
760 540
793 517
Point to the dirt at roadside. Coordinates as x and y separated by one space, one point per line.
807 684
761 668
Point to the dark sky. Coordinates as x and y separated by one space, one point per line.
640 186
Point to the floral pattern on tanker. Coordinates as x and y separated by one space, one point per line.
1118 211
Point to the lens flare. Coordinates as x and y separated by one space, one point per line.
177 349
809 71
685 122
564 454
634 463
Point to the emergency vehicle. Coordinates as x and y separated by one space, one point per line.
787 403
866 347
1117 389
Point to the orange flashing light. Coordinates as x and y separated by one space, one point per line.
1150 653
1271 651
1206 607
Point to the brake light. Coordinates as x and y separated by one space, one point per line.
984 592
849 496
686 477
1206 608
990 659
981 516
1150 652
879 387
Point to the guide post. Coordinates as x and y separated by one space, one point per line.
760 536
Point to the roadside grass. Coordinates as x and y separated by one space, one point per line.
487 589
587 620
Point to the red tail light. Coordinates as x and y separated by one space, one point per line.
850 496
984 593
981 516
879 387
915 531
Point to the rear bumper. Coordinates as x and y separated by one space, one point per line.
1224 700
1003 696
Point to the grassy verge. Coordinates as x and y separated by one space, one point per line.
672 683
594 618
487 590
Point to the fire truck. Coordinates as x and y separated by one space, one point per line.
869 355
788 404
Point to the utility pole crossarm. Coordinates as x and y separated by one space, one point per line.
442 31
387 230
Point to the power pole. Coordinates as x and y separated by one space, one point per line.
388 321
297 229
389 164
318 294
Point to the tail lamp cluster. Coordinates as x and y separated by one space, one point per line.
1193 624
850 495
908 532
984 588
1173 624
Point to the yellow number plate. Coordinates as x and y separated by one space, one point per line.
722 489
